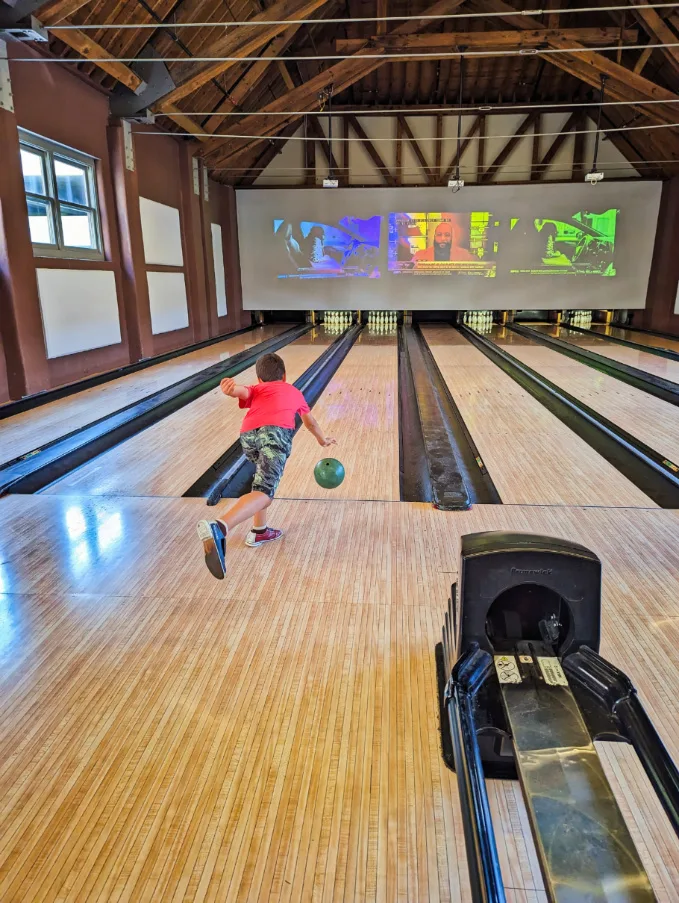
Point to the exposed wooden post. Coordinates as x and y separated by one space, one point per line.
399 152
135 287
421 159
578 170
439 146
535 165
20 316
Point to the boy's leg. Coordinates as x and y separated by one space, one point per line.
213 533
275 446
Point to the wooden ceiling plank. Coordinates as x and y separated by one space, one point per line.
243 41
658 30
488 40
305 97
622 84
57 10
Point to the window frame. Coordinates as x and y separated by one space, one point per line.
49 151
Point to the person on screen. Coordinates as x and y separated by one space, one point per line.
444 247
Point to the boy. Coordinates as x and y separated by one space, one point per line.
266 436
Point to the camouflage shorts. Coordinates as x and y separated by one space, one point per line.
268 448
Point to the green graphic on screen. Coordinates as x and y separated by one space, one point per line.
583 245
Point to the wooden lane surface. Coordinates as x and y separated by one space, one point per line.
532 457
641 338
165 736
651 420
31 429
642 360
359 408
167 458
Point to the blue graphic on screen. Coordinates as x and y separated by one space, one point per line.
312 250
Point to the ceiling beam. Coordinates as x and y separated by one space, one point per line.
557 144
508 148
245 40
488 40
478 122
315 131
88 48
264 158
658 30
305 97
622 83
56 11
372 152
507 13
417 150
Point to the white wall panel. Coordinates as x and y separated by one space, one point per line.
161 229
79 310
169 304
220 277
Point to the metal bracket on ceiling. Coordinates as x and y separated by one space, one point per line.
17 23
6 98
157 82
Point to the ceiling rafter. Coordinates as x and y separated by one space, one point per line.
305 98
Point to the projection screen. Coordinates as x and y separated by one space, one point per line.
485 247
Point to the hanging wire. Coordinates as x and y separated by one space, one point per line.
594 170
459 127
529 13
223 136
499 109
338 57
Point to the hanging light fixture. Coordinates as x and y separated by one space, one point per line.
325 98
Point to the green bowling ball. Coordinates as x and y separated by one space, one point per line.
329 473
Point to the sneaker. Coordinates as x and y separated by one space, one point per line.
214 545
258 539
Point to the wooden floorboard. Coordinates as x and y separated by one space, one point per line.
165 736
642 360
649 419
359 408
32 429
641 338
532 457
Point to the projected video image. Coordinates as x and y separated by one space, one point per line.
583 245
442 244
314 250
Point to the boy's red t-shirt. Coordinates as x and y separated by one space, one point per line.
272 404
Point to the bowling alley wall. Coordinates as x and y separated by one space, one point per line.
486 247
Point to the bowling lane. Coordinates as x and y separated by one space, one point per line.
643 360
651 420
167 458
533 458
641 338
359 408
31 429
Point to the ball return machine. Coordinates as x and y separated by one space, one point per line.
524 695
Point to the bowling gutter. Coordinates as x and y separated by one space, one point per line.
40 467
657 477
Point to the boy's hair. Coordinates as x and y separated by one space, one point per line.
270 368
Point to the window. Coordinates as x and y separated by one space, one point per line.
61 194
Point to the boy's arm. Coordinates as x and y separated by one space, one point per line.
230 388
311 424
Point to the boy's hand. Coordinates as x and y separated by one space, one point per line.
228 387
325 441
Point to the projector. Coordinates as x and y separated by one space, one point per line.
456 184
594 177
331 183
